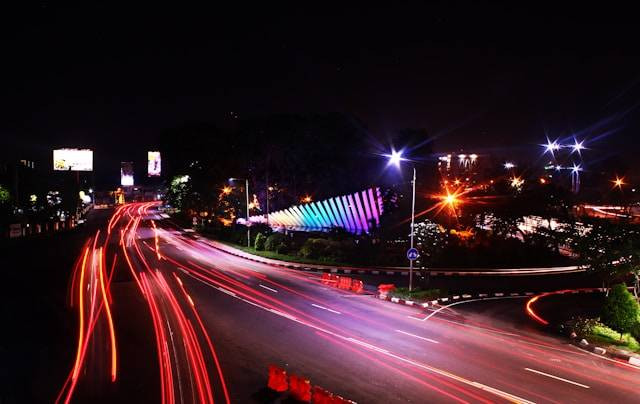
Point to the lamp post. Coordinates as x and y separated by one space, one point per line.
246 188
395 158
413 214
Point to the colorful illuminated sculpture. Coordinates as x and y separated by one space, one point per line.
355 213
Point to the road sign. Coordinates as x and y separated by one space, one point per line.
412 254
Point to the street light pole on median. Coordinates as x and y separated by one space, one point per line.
413 213
394 159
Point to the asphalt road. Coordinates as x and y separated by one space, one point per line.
194 324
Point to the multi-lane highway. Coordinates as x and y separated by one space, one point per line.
164 316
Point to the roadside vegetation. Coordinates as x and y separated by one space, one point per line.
618 324
418 295
439 247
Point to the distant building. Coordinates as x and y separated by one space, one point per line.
461 169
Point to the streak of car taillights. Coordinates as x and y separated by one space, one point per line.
208 339
112 333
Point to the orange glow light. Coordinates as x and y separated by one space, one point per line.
618 182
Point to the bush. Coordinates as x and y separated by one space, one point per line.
275 241
260 241
583 327
620 311
315 248
418 294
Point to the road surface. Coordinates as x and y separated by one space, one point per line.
165 317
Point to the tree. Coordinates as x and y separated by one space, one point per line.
629 261
177 192
601 244
4 195
260 241
620 311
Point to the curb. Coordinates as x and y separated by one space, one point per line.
478 296
596 350
389 271
453 298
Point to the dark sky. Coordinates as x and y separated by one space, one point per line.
481 77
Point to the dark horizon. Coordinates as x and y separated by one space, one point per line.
490 79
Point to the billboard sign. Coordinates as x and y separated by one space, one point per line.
126 173
73 160
153 164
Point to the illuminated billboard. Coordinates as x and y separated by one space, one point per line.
153 164
126 173
73 160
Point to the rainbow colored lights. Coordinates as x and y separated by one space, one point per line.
356 213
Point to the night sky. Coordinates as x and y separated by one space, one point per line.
482 78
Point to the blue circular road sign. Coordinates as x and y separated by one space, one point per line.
412 254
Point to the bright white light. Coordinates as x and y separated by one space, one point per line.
395 158
550 147
576 168
558 167
473 157
462 156
509 165
577 146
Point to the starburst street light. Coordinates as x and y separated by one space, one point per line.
618 182
577 146
516 182
575 177
395 158
551 147
509 165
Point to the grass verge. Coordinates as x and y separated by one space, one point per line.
605 335
419 295
282 257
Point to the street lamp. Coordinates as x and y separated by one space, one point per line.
618 182
246 188
394 159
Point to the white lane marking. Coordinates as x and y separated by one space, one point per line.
557 378
325 308
461 302
268 288
417 336
283 314
511 397
230 293
364 344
